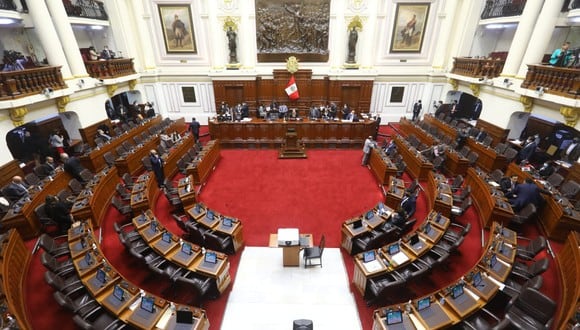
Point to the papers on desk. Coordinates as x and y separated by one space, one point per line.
135 304
471 293
400 258
162 323
498 283
373 266
418 325
563 164
493 183
245 120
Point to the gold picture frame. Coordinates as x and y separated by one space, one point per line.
177 28
409 29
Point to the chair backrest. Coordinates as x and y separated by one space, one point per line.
322 244
121 190
457 181
555 179
472 157
536 305
146 161
109 158
487 141
75 186
466 204
538 267
510 153
500 148
465 192
570 189
127 179
528 210
32 179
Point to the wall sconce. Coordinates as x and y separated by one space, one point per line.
47 92
540 90
507 82
81 83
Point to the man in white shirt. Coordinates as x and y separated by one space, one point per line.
369 144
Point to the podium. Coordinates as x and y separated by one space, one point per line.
291 148
291 242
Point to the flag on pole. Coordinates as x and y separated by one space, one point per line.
292 89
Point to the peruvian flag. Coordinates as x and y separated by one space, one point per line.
292 89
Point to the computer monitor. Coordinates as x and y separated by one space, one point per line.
357 224
500 247
101 276
166 237
492 261
457 291
368 256
88 258
148 304
197 208
477 279
83 243
438 217
423 303
394 317
153 226
184 317
118 292
227 222
209 214
381 207
210 257
186 248
394 249
414 239
369 215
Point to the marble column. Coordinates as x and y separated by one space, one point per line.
67 37
522 37
541 35
442 47
46 32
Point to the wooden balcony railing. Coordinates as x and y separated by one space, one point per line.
110 68
503 8
555 80
86 9
7 5
477 67
16 84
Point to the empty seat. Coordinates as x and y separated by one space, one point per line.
531 310
32 179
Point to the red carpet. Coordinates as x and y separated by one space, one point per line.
316 195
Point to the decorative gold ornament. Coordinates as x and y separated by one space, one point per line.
475 89
527 102
454 83
570 115
17 115
356 23
132 84
231 22
61 103
292 64
111 89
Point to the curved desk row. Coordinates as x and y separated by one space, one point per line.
386 261
170 247
382 166
417 165
490 203
450 305
362 225
205 162
118 295
90 204
557 217
223 225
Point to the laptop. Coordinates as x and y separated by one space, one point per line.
357 224
186 248
427 228
166 237
369 215
423 303
394 249
148 304
118 293
210 257
457 291
227 222
183 320
476 280
369 256
394 317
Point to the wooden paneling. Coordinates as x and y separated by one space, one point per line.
15 262
569 270
9 170
317 92
499 134
88 133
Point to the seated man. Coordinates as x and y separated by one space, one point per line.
283 110
508 185
409 204
59 211
72 166
16 189
48 168
101 134
398 218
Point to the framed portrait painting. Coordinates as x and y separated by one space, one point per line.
409 29
177 27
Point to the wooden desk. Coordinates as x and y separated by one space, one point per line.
208 158
145 190
557 220
394 197
102 189
488 159
25 220
291 253
569 275
381 166
490 208
175 153
186 192
131 163
455 164
349 233
417 165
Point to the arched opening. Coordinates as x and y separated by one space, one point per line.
128 106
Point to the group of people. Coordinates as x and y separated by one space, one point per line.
106 54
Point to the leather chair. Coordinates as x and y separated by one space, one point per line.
523 216
457 182
51 246
82 305
122 192
169 186
101 320
75 186
128 181
401 167
496 175
213 241
146 161
70 286
86 175
481 321
196 233
47 224
531 310
109 158
529 251
400 231
382 287
314 252
472 158
32 179
487 141
514 288
121 151
64 268
510 153
458 199
456 231
528 271
500 148
459 211
432 258
413 271
438 163
181 221
124 209
174 200
555 180
302 324
373 240
203 287
465 150
412 187
128 231
570 189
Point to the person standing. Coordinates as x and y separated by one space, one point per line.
561 56
417 107
368 146
194 128
572 152
157 166
72 166
56 141
179 31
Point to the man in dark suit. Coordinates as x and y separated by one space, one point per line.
48 168
481 136
525 193
16 189
59 211
528 150
157 166
194 128
72 166
417 107
409 203
571 153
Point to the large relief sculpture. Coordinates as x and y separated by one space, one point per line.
292 28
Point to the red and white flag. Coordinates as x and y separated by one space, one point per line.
292 89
